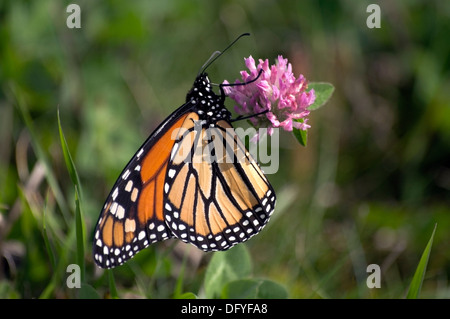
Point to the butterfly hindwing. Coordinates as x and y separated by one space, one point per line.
218 195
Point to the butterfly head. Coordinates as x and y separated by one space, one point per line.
210 106
201 88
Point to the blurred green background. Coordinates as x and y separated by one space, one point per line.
368 189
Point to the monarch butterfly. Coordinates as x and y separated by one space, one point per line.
170 189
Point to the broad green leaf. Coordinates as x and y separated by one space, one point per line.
226 266
254 289
88 292
416 283
323 91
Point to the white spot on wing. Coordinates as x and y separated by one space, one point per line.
129 186
134 194
126 174
115 193
113 208
120 213
174 151
130 225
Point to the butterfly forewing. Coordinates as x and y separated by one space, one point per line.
217 195
132 217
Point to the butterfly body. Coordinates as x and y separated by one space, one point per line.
192 179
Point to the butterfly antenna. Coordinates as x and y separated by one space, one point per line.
217 54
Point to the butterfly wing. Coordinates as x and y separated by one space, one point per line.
217 196
132 216
193 179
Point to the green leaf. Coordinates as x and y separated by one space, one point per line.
226 266
88 292
187 295
68 158
300 135
323 91
254 289
416 283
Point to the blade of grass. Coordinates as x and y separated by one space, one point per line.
322 287
68 157
416 283
40 154
79 229
112 284
79 225
45 235
62 263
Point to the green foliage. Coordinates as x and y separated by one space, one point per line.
301 135
88 292
253 289
323 92
225 267
187 295
79 220
419 275
229 276
112 285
